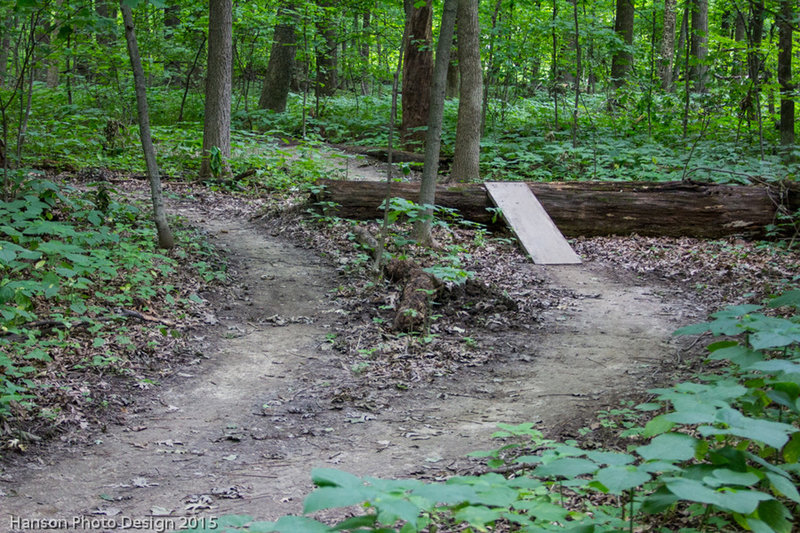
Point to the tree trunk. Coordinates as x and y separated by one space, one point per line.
785 71
668 45
453 82
739 35
280 68
327 55
466 157
165 238
433 135
622 61
417 73
681 48
107 10
366 80
676 209
699 47
5 48
217 121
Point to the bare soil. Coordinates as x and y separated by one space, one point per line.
239 429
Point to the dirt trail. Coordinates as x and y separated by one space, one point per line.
240 431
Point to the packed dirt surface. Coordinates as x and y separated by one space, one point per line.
239 429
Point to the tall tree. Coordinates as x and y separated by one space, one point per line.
785 19
165 238
217 121
417 70
468 129
698 68
327 52
433 135
280 68
622 60
668 45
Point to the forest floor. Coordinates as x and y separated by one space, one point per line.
297 371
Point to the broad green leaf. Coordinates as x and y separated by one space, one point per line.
693 329
329 497
330 477
362 521
657 426
300 524
669 447
743 501
738 355
478 515
776 515
447 494
542 510
784 487
773 332
725 476
568 467
391 508
618 479
771 433
610 458
791 298
791 452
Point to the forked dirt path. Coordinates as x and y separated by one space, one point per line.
239 431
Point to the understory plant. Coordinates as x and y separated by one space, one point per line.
720 452
75 267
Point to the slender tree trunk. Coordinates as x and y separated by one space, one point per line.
578 74
366 80
433 135
5 48
217 122
453 81
785 71
668 45
490 67
739 36
698 70
278 81
622 61
165 238
466 159
680 56
417 72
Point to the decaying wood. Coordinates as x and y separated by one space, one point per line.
419 286
418 292
672 209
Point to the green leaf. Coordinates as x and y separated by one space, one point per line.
693 329
657 426
330 477
784 487
669 447
776 515
618 479
363 521
610 458
568 467
725 476
329 497
540 510
791 452
743 501
478 515
659 501
771 433
300 524
791 298
447 494
392 508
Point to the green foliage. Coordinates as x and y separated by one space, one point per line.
724 449
76 260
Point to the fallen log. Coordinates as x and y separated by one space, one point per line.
382 154
672 209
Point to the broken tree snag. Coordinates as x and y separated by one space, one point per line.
415 303
672 209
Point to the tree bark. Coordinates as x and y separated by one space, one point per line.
668 45
699 45
217 122
433 135
165 238
417 74
327 55
280 68
622 61
466 157
676 209
785 71
363 51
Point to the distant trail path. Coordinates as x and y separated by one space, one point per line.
240 431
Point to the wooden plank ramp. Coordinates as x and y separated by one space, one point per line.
531 224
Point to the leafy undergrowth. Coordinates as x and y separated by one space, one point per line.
86 301
720 452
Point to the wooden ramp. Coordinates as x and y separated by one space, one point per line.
531 224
